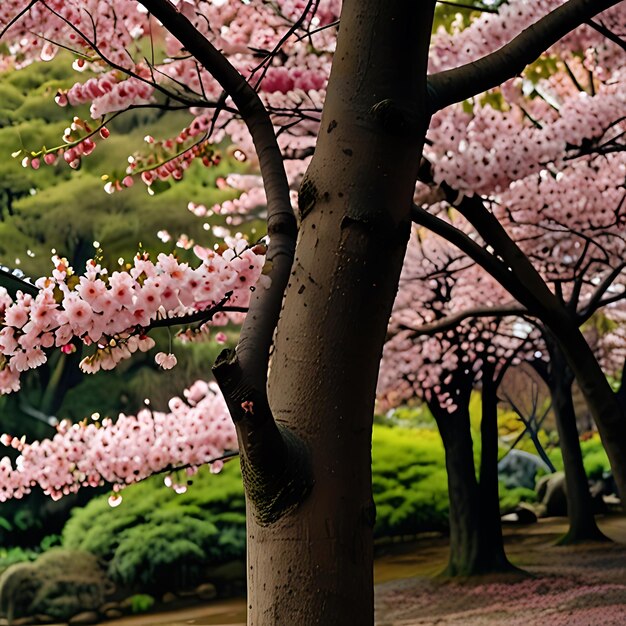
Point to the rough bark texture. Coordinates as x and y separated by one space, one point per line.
582 522
313 565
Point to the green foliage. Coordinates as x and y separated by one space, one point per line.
510 498
60 583
409 481
160 539
141 603
17 554
9 556
595 459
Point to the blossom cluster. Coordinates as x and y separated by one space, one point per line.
485 151
112 313
124 78
464 44
195 431
110 92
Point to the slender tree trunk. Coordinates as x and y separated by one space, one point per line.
463 494
312 565
494 557
476 545
582 523
608 413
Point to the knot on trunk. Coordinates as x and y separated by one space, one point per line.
273 491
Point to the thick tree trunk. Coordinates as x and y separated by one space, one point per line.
313 563
582 523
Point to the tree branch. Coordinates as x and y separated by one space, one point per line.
463 82
256 334
452 321
13 283
532 289
466 244
594 303
609 34
274 462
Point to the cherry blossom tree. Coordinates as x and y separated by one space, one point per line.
442 369
551 224
259 73
588 289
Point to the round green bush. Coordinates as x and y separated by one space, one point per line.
160 540
60 583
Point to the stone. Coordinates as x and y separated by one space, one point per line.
108 606
206 591
44 619
113 613
169 597
24 621
519 469
555 496
86 617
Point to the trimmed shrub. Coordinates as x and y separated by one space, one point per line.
60 583
159 539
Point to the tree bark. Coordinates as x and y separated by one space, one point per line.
313 564
582 523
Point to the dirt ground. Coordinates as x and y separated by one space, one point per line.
569 586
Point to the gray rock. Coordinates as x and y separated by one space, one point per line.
553 494
86 617
519 469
